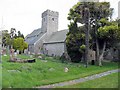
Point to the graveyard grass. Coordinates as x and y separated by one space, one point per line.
110 81
40 73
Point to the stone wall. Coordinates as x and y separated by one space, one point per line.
54 49
39 45
31 48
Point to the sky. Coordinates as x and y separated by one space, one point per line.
25 15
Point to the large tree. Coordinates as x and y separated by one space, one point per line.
98 11
108 36
74 42
6 41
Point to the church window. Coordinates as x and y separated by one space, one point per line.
53 19
44 19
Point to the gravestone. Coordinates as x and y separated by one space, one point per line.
66 69
25 52
15 54
92 57
12 57
17 51
28 52
4 52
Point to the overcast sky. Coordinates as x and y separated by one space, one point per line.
25 15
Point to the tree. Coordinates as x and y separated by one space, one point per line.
20 44
12 32
98 11
20 35
75 39
108 35
6 41
12 35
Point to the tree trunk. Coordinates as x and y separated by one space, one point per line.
87 36
101 56
97 50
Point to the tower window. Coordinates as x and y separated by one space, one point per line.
53 19
44 19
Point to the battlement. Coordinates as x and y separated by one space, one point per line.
50 13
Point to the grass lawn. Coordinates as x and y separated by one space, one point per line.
110 81
42 73
0 76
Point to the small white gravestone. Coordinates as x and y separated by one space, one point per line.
31 56
17 51
66 69
15 54
25 51
28 52
40 57
51 69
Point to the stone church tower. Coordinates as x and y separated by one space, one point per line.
50 21
47 39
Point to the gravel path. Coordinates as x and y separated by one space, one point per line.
80 80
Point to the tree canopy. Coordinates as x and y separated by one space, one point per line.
103 31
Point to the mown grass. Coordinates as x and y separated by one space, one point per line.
110 81
42 73
0 76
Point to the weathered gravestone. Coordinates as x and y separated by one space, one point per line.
12 57
18 51
66 69
25 52
4 52
92 57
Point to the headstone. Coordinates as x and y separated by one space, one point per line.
65 69
13 70
28 52
51 69
31 56
15 54
4 52
17 51
91 55
12 57
25 51
40 57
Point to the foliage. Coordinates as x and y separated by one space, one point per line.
101 27
6 38
20 44
75 38
19 35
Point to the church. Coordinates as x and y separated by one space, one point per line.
47 39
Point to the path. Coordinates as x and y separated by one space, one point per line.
80 80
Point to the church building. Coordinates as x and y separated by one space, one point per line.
47 39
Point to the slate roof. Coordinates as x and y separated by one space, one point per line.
34 36
57 37
35 32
